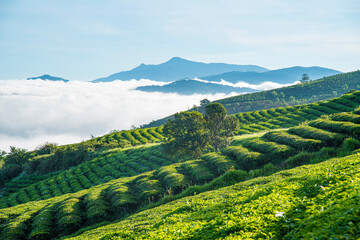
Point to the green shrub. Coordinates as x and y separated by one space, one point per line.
16 229
351 144
217 162
349 128
43 226
347 117
301 158
196 171
228 178
121 198
149 190
319 134
269 169
97 208
269 148
172 179
244 158
146 135
69 215
157 135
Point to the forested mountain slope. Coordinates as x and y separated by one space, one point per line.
303 93
313 91
282 76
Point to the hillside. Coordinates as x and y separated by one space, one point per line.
321 89
308 202
282 76
178 68
309 92
117 183
47 77
188 87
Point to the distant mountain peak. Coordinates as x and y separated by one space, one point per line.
48 77
178 68
177 59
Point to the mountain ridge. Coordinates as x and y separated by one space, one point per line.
48 77
282 75
177 68
188 87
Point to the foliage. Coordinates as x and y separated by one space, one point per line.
186 134
307 92
220 126
305 78
189 133
205 102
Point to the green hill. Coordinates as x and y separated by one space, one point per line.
313 91
304 93
123 186
310 202
109 199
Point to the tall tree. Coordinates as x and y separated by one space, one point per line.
305 78
204 102
186 134
219 124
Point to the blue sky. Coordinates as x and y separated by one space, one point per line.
87 39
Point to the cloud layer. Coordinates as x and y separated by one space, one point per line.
262 86
33 112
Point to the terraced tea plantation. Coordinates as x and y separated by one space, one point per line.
285 117
111 165
319 201
111 199
128 138
152 194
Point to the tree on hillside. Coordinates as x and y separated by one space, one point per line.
204 102
16 156
219 124
186 134
305 78
189 133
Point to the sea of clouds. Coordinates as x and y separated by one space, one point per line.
37 111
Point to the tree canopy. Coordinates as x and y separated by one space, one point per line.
186 134
190 133
219 124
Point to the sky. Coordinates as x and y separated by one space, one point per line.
84 40
88 39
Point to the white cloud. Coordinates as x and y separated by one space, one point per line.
33 112
262 86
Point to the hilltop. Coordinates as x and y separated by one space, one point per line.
282 76
188 87
178 68
48 77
